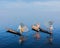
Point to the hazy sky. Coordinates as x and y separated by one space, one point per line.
43 5
29 10
19 6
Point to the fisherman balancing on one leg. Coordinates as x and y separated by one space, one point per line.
51 30
22 29
36 28
51 26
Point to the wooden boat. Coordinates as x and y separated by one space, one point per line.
13 32
42 30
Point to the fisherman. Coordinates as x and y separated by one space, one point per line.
21 28
36 27
51 28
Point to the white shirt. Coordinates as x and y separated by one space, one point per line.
51 27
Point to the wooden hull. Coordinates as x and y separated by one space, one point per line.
13 32
42 30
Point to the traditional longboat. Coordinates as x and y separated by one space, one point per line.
13 32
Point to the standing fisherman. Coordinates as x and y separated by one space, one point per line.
50 26
36 28
21 28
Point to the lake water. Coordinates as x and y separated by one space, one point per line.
8 40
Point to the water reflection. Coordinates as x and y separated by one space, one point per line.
22 39
37 36
50 40
48 43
